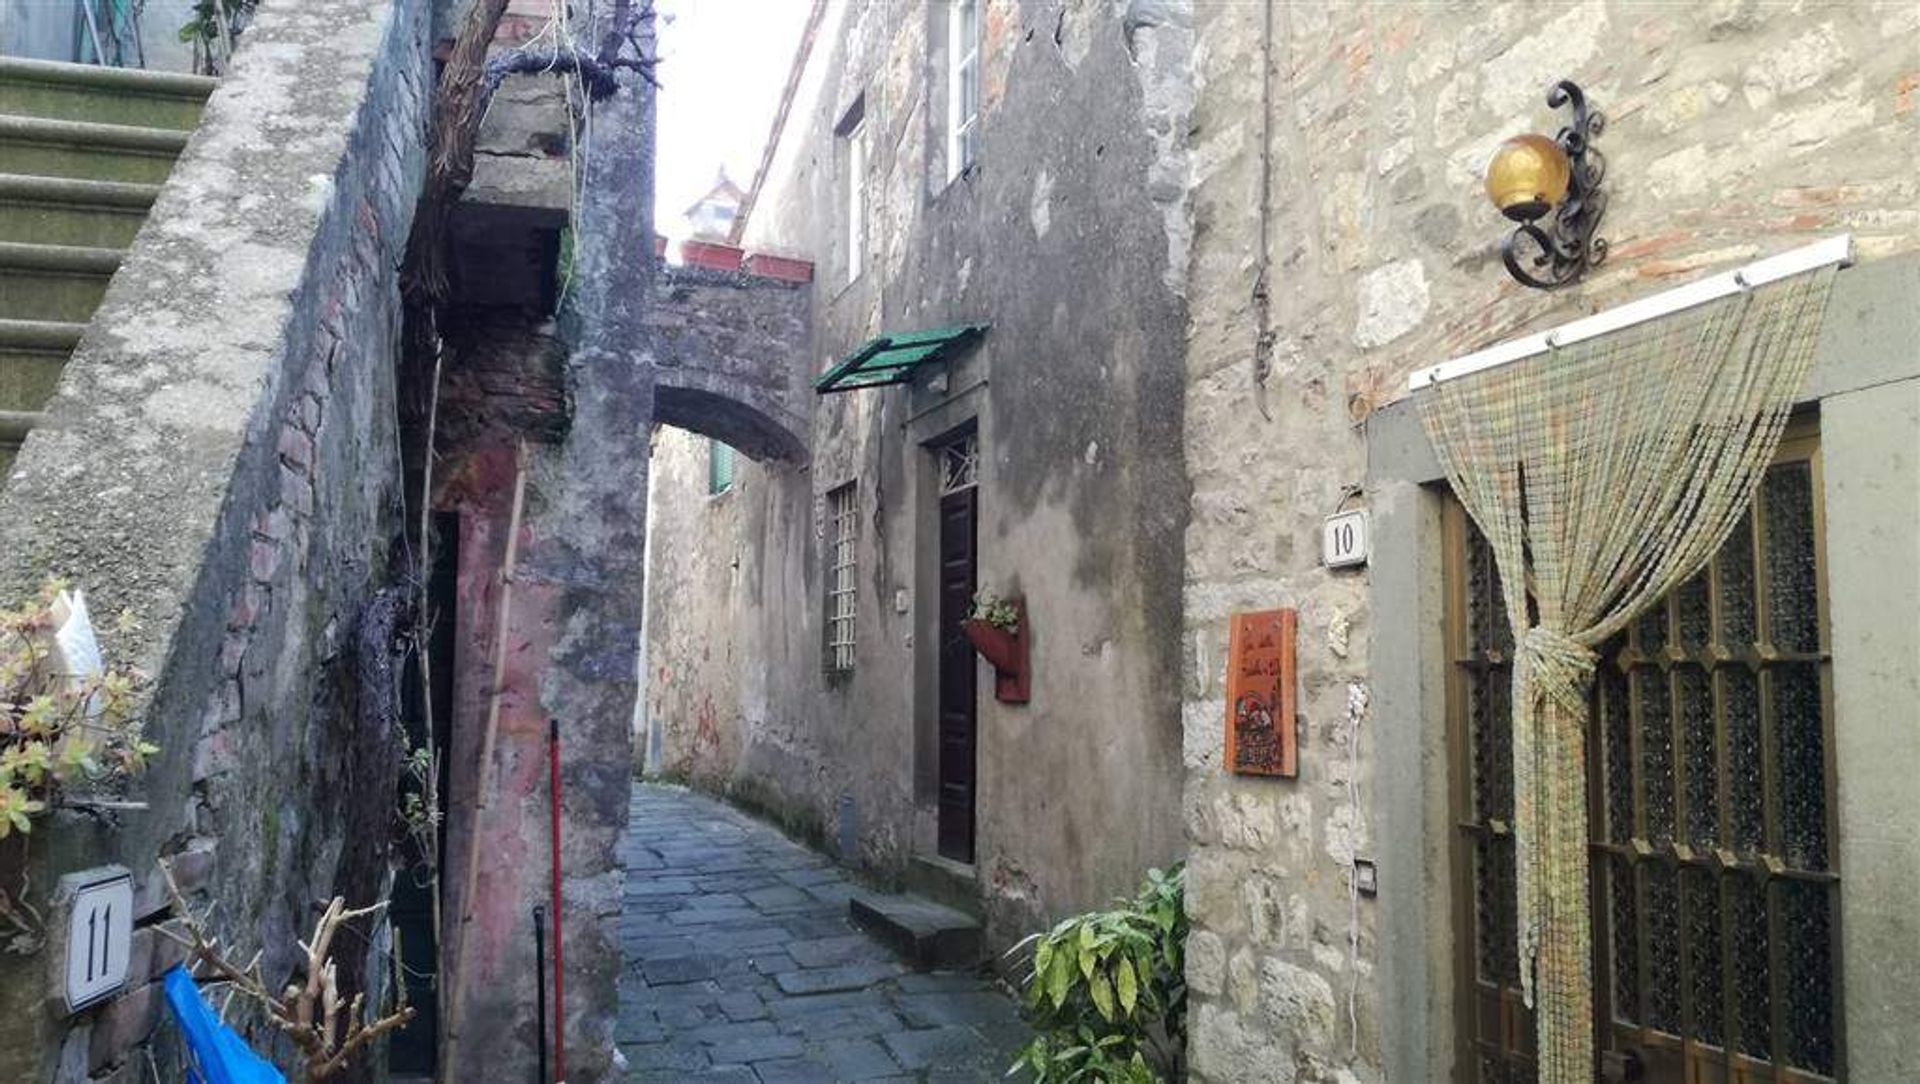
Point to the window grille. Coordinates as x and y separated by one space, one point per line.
842 523
963 84
1713 886
719 467
959 465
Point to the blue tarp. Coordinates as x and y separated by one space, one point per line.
219 1056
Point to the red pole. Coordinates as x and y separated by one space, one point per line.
559 958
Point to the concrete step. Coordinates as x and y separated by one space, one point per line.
922 932
32 353
87 92
97 152
65 211
946 882
61 283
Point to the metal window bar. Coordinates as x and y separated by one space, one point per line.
959 465
1711 774
840 578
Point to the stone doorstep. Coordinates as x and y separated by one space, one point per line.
946 882
925 934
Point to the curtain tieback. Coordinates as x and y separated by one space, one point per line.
1559 666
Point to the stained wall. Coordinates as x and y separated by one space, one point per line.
1068 237
1736 130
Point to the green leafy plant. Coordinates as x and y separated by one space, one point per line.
1106 991
59 732
419 808
211 27
995 611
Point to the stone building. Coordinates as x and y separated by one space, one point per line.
199 355
803 654
1100 309
1737 130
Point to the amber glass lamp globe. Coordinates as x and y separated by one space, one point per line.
1527 176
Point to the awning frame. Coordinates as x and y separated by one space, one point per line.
859 369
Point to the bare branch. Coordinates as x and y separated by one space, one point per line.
326 1030
596 73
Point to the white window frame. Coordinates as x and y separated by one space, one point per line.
856 200
843 519
963 84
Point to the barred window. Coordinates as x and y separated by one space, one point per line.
959 465
842 521
1714 888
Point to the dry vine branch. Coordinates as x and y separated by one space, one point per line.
327 1030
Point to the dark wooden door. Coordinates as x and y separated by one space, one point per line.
1711 788
958 712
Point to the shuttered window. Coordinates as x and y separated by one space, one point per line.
719 467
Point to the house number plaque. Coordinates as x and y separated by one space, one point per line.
1260 694
99 934
1343 540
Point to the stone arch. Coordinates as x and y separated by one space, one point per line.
747 418
730 354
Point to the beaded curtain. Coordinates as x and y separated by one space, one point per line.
1604 475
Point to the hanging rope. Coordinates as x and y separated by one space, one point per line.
1603 476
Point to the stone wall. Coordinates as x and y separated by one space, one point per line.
222 465
1738 129
1070 240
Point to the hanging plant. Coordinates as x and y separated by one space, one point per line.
996 627
1000 613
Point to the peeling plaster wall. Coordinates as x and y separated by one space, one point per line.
1738 129
1071 240
221 462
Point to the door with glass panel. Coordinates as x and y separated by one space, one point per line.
1715 890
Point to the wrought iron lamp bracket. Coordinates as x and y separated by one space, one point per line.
1558 249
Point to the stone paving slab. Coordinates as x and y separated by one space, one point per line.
741 965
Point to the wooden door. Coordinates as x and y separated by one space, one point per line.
959 717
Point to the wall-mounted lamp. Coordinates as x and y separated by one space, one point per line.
1551 187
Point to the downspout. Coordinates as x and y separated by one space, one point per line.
1262 295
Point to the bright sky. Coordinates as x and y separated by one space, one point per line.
724 64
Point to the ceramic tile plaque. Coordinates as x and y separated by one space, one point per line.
1260 694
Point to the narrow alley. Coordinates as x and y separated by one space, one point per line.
742 966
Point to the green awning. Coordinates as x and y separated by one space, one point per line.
892 359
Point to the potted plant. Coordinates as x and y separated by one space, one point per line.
996 628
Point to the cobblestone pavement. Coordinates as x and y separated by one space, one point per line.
742 966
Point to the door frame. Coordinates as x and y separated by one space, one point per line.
926 437
1866 380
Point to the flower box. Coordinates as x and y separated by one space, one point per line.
1006 651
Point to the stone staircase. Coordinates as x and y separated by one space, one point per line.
83 152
